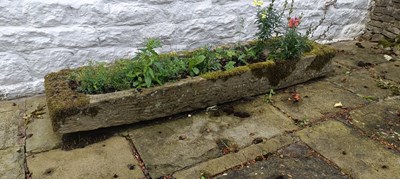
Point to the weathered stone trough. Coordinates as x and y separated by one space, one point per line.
72 111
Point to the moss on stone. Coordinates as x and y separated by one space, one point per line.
277 71
385 43
225 74
397 39
323 55
62 101
274 71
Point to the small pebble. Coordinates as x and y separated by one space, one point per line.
131 166
182 137
257 140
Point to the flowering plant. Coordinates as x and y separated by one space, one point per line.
292 44
294 22
267 19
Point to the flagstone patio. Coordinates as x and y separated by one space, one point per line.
249 138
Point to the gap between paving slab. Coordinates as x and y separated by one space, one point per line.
390 70
221 164
354 154
177 144
12 163
12 151
361 83
294 161
39 129
380 120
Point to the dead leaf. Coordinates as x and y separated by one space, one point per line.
296 97
338 105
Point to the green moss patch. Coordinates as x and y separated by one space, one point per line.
276 71
225 74
323 55
62 101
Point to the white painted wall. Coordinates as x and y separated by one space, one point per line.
42 36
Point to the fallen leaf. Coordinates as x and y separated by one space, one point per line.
388 58
338 105
296 97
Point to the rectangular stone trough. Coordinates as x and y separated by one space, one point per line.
72 111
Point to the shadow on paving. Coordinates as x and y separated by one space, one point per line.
294 161
82 139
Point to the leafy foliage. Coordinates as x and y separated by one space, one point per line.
148 68
268 19
291 46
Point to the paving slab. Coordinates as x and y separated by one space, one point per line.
354 154
177 144
111 158
381 119
317 98
350 55
9 120
361 83
42 137
389 71
294 161
339 69
12 163
216 166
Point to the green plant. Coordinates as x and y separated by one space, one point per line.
268 96
267 19
229 65
210 61
194 64
291 45
142 72
303 122
169 68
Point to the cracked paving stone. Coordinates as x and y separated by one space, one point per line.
164 153
105 159
355 154
317 98
381 119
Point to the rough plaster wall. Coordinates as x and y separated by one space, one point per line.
42 36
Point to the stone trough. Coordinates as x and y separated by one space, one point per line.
72 111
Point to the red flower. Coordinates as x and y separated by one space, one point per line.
294 22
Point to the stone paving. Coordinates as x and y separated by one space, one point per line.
249 138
